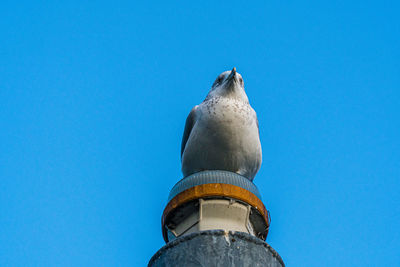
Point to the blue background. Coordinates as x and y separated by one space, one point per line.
94 97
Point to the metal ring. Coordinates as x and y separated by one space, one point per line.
215 176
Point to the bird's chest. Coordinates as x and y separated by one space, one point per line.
227 114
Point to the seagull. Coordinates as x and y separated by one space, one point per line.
222 132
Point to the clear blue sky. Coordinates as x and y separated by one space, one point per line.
94 97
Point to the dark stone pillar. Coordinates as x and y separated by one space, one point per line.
216 248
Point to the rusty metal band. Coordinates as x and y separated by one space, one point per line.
216 190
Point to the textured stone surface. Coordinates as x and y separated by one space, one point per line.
216 248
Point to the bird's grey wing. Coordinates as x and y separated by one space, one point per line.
190 121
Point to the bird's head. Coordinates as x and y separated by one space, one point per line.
228 84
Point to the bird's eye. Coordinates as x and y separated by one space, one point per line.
241 80
218 80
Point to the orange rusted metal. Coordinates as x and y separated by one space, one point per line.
216 190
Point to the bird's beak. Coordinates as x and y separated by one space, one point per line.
232 75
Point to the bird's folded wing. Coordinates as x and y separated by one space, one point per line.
190 121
